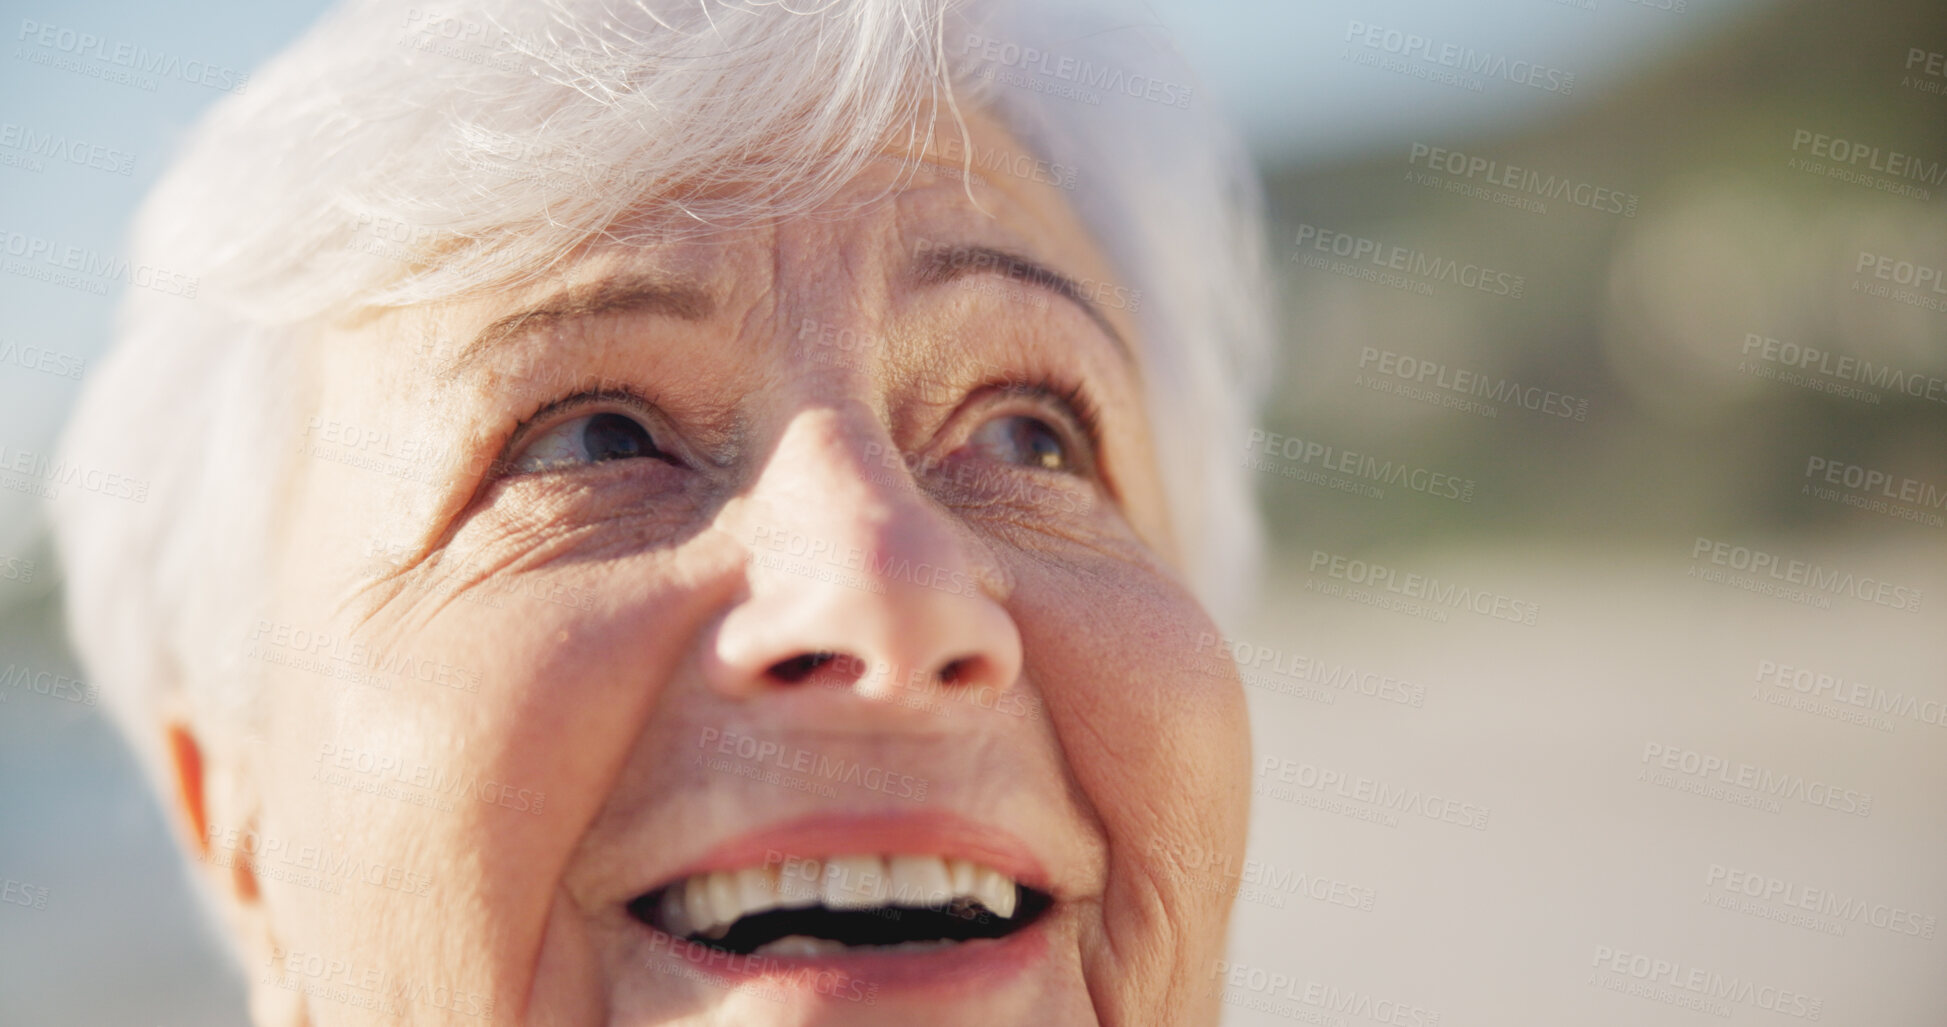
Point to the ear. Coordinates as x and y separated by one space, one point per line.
189 769
186 764
213 809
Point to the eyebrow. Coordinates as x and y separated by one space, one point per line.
638 294
940 265
625 295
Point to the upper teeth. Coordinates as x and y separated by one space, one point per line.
707 904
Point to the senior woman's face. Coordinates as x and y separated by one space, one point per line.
774 627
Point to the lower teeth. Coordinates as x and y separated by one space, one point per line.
805 945
800 945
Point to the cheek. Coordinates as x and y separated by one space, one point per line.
466 736
1156 737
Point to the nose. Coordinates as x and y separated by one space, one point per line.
857 578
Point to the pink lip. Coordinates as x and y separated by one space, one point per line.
866 977
930 833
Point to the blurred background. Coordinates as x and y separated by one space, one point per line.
1587 334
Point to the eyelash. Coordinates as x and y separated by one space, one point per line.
542 415
1071 396
1073 399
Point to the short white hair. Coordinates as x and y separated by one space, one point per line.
507 133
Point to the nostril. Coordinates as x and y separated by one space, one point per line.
832 667
797 668
959 670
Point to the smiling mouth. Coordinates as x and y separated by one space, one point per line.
842 903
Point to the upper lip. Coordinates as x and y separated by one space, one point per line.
926 833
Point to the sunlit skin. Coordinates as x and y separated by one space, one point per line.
850 456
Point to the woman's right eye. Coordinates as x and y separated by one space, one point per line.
589 439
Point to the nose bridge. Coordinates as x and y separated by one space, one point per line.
847 559
833 479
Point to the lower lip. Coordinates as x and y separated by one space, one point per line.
864 975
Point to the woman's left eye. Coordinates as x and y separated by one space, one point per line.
1025 440
590 439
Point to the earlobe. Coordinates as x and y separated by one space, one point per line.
232 845
187 767
186 761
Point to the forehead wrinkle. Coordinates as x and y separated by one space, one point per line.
941 266
625 292
834 286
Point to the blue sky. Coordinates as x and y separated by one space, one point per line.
1277 65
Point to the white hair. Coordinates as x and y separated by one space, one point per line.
491 138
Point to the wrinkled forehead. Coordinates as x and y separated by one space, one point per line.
926 176
907 210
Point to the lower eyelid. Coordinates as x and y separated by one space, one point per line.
525 453
1070 408
579 407
1065 437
